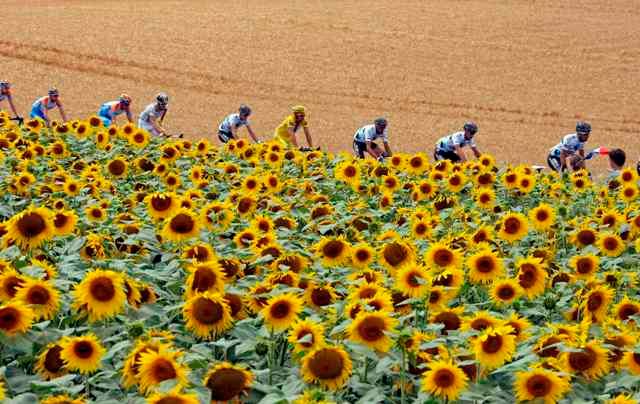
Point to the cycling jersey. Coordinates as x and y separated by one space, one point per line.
42 103
5 96
282 131
232 121
110 110
368 133
570 144
152 110
449 143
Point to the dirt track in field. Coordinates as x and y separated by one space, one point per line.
524 70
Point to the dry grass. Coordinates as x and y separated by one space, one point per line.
525 70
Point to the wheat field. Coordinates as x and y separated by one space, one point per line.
524 70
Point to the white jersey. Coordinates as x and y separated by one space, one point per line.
368 133
570 144
151 111
449 143
43 103
232 121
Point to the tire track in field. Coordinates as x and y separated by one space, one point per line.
212 84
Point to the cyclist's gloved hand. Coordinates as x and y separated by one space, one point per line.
380 159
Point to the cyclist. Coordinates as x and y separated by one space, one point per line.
364 140
286 132
48 102
110 110
228 128
5 94
152 117
570 145
450 147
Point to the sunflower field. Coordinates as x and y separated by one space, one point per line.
168 271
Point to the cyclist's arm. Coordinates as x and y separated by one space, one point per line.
563 160
162 116
156 125
129 117
476 152
308 136
46 116
370 149
387 148
252 134
62 114
581 153
13 107
292 136
458 150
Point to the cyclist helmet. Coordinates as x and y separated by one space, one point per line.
53 92
162 99
381 122
471 127
4 85
125 99
583 127
299 109
244 110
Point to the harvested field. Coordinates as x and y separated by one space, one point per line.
525 70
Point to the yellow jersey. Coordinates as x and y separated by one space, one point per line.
282 131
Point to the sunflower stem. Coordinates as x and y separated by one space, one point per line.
271 356
403 365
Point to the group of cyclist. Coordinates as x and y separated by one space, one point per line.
569 153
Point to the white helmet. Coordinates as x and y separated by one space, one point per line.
162 99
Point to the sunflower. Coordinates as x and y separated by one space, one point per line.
520 325
629 193
348 172
333 251
585 266
485 198
306 335
173 397
204 277
217 215
505 291
597 301
362 255
319 296
64 222
50 364
82 354
10 282
413 280
161 205
439 256
71 187
427 189
455 182
540 385
589 360
481 235
41 296
31 227
421 229
207 315
95 213
494 346
444 379
62 399
100 294
172 181
625 309
281 311
15 318
246 205
513 227
416 164
622 399
328 366
117 167
480 321
181 225
227 382
542 217
532 276
485 266
611 244
631 361
372 329
583 236
157 366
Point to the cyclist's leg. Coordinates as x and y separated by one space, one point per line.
554 163
359 148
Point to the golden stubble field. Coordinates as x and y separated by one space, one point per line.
524 70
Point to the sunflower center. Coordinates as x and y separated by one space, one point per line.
350 171
512 225
434 297
413 279
485 198
326 364
52 360
102 289
116 167
450 320
415 162
163 370
371 329
83 349
527 276
229 267
480 324
595 301
485 265
455 180
610 244
492 344
395 254
362 255
170 400
444 378
333 249
38 295
303 334
235 303
280 309
226 384
9 318
421 229
207 311
244 205
506 292
160 203
60 220
583 360
203 279
443 257
586 237
542 215
539 386
321 297
31 224
182 223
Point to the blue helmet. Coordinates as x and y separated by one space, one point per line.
471 127
583 127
